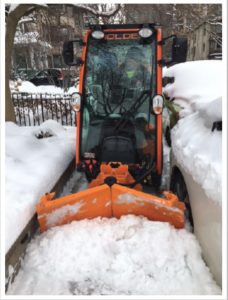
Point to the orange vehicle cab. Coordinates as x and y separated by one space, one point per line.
119 127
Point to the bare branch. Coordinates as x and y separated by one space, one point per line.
26 20
96 13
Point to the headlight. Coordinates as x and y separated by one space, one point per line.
145 32
158 104
75 101
98 34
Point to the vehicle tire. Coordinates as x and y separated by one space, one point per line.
178 187
168 136
156 181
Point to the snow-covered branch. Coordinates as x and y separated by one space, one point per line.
26 20
215 23
13 7
100 13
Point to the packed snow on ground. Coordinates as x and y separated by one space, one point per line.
130 256
195 146
33 166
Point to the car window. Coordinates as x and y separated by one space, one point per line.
42 74
54 72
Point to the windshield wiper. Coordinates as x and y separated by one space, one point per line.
138 102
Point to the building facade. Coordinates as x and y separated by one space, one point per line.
205 42
38 42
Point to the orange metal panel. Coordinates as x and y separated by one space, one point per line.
81 80
120 173
87 204
103 201
159 91
121 30
128 201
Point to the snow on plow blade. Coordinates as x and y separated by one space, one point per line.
89 204
105 201
128 201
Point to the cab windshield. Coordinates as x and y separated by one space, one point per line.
119 82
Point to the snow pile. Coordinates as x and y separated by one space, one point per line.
29 87
195 146
130 256
196 82
33 165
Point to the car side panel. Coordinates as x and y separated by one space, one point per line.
207 218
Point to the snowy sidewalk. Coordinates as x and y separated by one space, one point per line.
130 256
33 166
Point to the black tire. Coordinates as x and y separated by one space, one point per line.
178 187
168 136
156 181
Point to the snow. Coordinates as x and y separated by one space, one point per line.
33 166
194 145
130 256
29 87
58 214
13 7
201 83
128 198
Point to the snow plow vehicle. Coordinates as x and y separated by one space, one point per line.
119 127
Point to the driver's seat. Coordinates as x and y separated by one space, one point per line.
117 144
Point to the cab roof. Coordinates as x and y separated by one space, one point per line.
121 26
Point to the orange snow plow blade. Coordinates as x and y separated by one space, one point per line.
87 204
105 201
128 201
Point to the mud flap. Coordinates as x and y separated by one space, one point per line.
105 201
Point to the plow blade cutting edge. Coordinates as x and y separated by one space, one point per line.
105 201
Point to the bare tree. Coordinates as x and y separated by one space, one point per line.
14 13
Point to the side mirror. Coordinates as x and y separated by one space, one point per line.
179 50
72 52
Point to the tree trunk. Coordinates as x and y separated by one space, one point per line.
10 32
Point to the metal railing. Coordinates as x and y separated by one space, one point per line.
33 109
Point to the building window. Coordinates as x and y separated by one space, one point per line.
204 46
212 44
219 46
204 31
57 61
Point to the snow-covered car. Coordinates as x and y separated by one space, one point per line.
48 77
196 154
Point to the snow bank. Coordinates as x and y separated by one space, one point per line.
196 82
194 145
130 256
28 87
33 165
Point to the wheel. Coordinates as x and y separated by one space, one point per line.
168 136
178 187
156 181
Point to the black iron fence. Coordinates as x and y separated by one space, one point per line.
34 109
